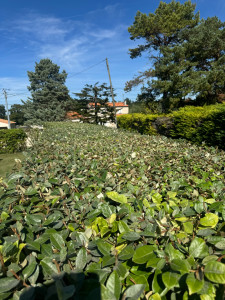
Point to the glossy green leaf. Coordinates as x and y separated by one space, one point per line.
8 283
134 292
198 248
170 279
194 285
113 284
81 259
57 240
210 220
119 198
180 265
126 253
215 272
142 254
131 236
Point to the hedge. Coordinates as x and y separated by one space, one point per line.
12 140
196 124
138 122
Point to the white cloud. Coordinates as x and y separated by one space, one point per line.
43 27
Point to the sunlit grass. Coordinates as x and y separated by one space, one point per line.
7 162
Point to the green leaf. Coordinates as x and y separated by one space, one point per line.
194 285
198 248
81 259
215 272
180 265
173 253
106 294
134 292
103 247
4 216
108 260
8 283
142 254
131 236
30 191
220 245
123 227
170 279
188 227
29 270
210 220
116 197
113 284
33 278
48 266
126 253
57 240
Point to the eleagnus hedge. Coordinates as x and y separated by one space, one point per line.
98 213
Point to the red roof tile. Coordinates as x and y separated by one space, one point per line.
117 104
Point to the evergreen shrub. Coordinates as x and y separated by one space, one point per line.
138 122
12 140
200 124
196 124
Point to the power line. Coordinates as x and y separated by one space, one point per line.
84 70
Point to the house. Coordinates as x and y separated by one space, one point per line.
121 109
4 124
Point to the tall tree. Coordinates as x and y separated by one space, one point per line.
17 114
50 98
2 112
93 104
160 31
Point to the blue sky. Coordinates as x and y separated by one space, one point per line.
75 35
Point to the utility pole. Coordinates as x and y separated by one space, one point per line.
114 107
6 105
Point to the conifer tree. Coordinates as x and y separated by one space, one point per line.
92 103
50 98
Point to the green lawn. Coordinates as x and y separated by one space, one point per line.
7 162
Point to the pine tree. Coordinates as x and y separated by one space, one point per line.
93 104
50 98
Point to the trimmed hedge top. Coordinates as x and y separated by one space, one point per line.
96 213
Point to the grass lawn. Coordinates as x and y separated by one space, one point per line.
7 162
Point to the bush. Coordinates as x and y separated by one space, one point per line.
96 213
196 124
200 124
12 140
138 122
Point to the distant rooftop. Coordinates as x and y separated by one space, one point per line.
6 121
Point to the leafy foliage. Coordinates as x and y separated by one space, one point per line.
12 140
187 56
2 112
92 104
196 124
49 96
17 114
100 213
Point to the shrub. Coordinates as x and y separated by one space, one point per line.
96 213
196 124
138 122
12 140
200 124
